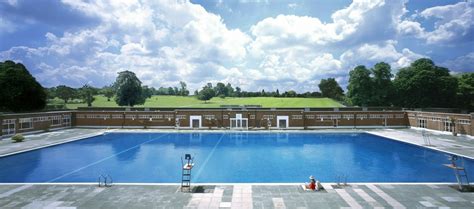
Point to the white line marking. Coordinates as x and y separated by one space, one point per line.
347 197
6 194
392 202
201 168
104 159
433 201
364 195
427 204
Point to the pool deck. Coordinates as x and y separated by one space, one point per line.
234 196
238 195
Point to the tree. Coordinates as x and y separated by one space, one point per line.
162 91
87 94
108 91
206 93
359 90
290 93
382 85
316 94
19 90
277 94
465 95
153 91
50 92
171 91
238 92
220 89
146 92
229 91
128 89
330 88
183 91
65 93
176 90
423 84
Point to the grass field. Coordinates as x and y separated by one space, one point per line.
179 101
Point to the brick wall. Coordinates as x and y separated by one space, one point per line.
253 118
458 123
33 122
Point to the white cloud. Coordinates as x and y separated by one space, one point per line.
292 5
291 30
133 48
159 40
17 52
165 41
407 27
369 54
452 23
72 75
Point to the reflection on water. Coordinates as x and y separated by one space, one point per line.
230 157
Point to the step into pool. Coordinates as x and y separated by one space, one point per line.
231 157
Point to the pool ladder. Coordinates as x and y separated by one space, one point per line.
105 180
426 138
459 171
341 180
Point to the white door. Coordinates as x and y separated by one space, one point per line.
195 121
282 122
448 126
422 123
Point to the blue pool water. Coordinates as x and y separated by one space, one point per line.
231 158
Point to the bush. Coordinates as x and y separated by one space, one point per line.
18 138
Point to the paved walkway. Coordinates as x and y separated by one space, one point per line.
45 139
461 145
238 196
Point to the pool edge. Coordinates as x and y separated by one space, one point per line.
67 140
419 145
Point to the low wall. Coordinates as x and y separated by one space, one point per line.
450 122
34 122
254 119
246 118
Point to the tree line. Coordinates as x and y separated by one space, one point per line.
422 84
222 90
127 90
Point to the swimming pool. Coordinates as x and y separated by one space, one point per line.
230 157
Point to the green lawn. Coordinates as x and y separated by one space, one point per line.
179 101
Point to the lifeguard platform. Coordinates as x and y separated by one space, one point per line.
187 166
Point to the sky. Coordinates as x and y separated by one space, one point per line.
254 44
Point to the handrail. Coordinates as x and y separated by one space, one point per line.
105 180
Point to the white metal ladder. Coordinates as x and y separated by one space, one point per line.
459 171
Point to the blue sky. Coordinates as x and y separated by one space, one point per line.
254 44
